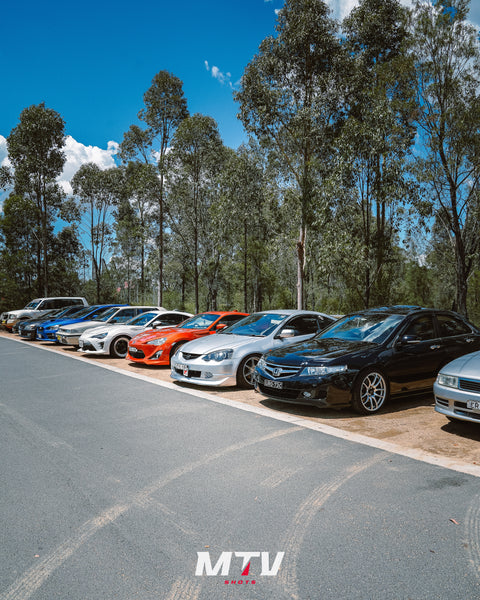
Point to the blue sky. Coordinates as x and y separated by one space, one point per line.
92 61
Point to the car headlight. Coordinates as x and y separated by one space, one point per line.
54 328
447 380
261 362
157 342
100 336
218 355
324 370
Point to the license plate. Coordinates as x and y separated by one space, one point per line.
59 337
473 405
184 369
278 385
80 344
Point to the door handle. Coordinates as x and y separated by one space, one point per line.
434 346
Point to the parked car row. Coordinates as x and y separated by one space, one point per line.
298 357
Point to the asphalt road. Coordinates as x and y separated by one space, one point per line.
109 486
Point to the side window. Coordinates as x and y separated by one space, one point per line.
303 325
48 304
169 320
58 303
450 326
229 319
421 328
124 315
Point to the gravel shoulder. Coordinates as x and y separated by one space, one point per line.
411 424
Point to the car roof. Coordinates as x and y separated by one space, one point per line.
396 309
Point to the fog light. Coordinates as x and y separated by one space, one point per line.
157 354
307 394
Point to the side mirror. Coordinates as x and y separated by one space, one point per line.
287 333
221 326
406 340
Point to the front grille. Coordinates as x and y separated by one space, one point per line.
89 346
196 374
442 402
277 371
189 356
136 353
274 393
469 385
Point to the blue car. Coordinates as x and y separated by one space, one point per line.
47 330
28 329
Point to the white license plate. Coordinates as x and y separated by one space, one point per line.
184 369
473 405
278 385
59 337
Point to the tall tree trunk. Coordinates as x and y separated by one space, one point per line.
301 267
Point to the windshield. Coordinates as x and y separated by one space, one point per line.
142 319
83 312
199 321
105 314
365 328
258 324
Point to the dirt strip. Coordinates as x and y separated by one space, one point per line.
411 424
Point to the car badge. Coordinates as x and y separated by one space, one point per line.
277 372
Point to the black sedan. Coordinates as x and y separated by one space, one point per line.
365 357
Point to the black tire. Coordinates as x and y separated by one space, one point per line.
246 370
371 391
175 347
119 347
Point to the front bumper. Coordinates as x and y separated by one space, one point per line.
46 335
67 339
92 346
452 402
148 354
218 374
331 391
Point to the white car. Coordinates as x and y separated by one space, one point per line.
70 334
113 339
40 306
229 357
457 389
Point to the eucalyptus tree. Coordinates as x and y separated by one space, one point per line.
377 136
289 99
140 189
194 163
448 67
243 218
164 109
98 193
35 152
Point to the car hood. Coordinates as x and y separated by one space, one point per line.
82 325
154 334
319 351
465 366
220 341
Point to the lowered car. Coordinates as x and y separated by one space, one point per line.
28 329
48 330
229 358
113 339
157 347
367 356
70 334
457 389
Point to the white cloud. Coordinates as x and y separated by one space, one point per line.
342 8
78 154
223 78
4 162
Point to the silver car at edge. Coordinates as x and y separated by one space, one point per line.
229 357
113 339
457 389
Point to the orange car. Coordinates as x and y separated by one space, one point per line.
156 347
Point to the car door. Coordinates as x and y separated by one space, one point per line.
418 354
297 329
457 336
